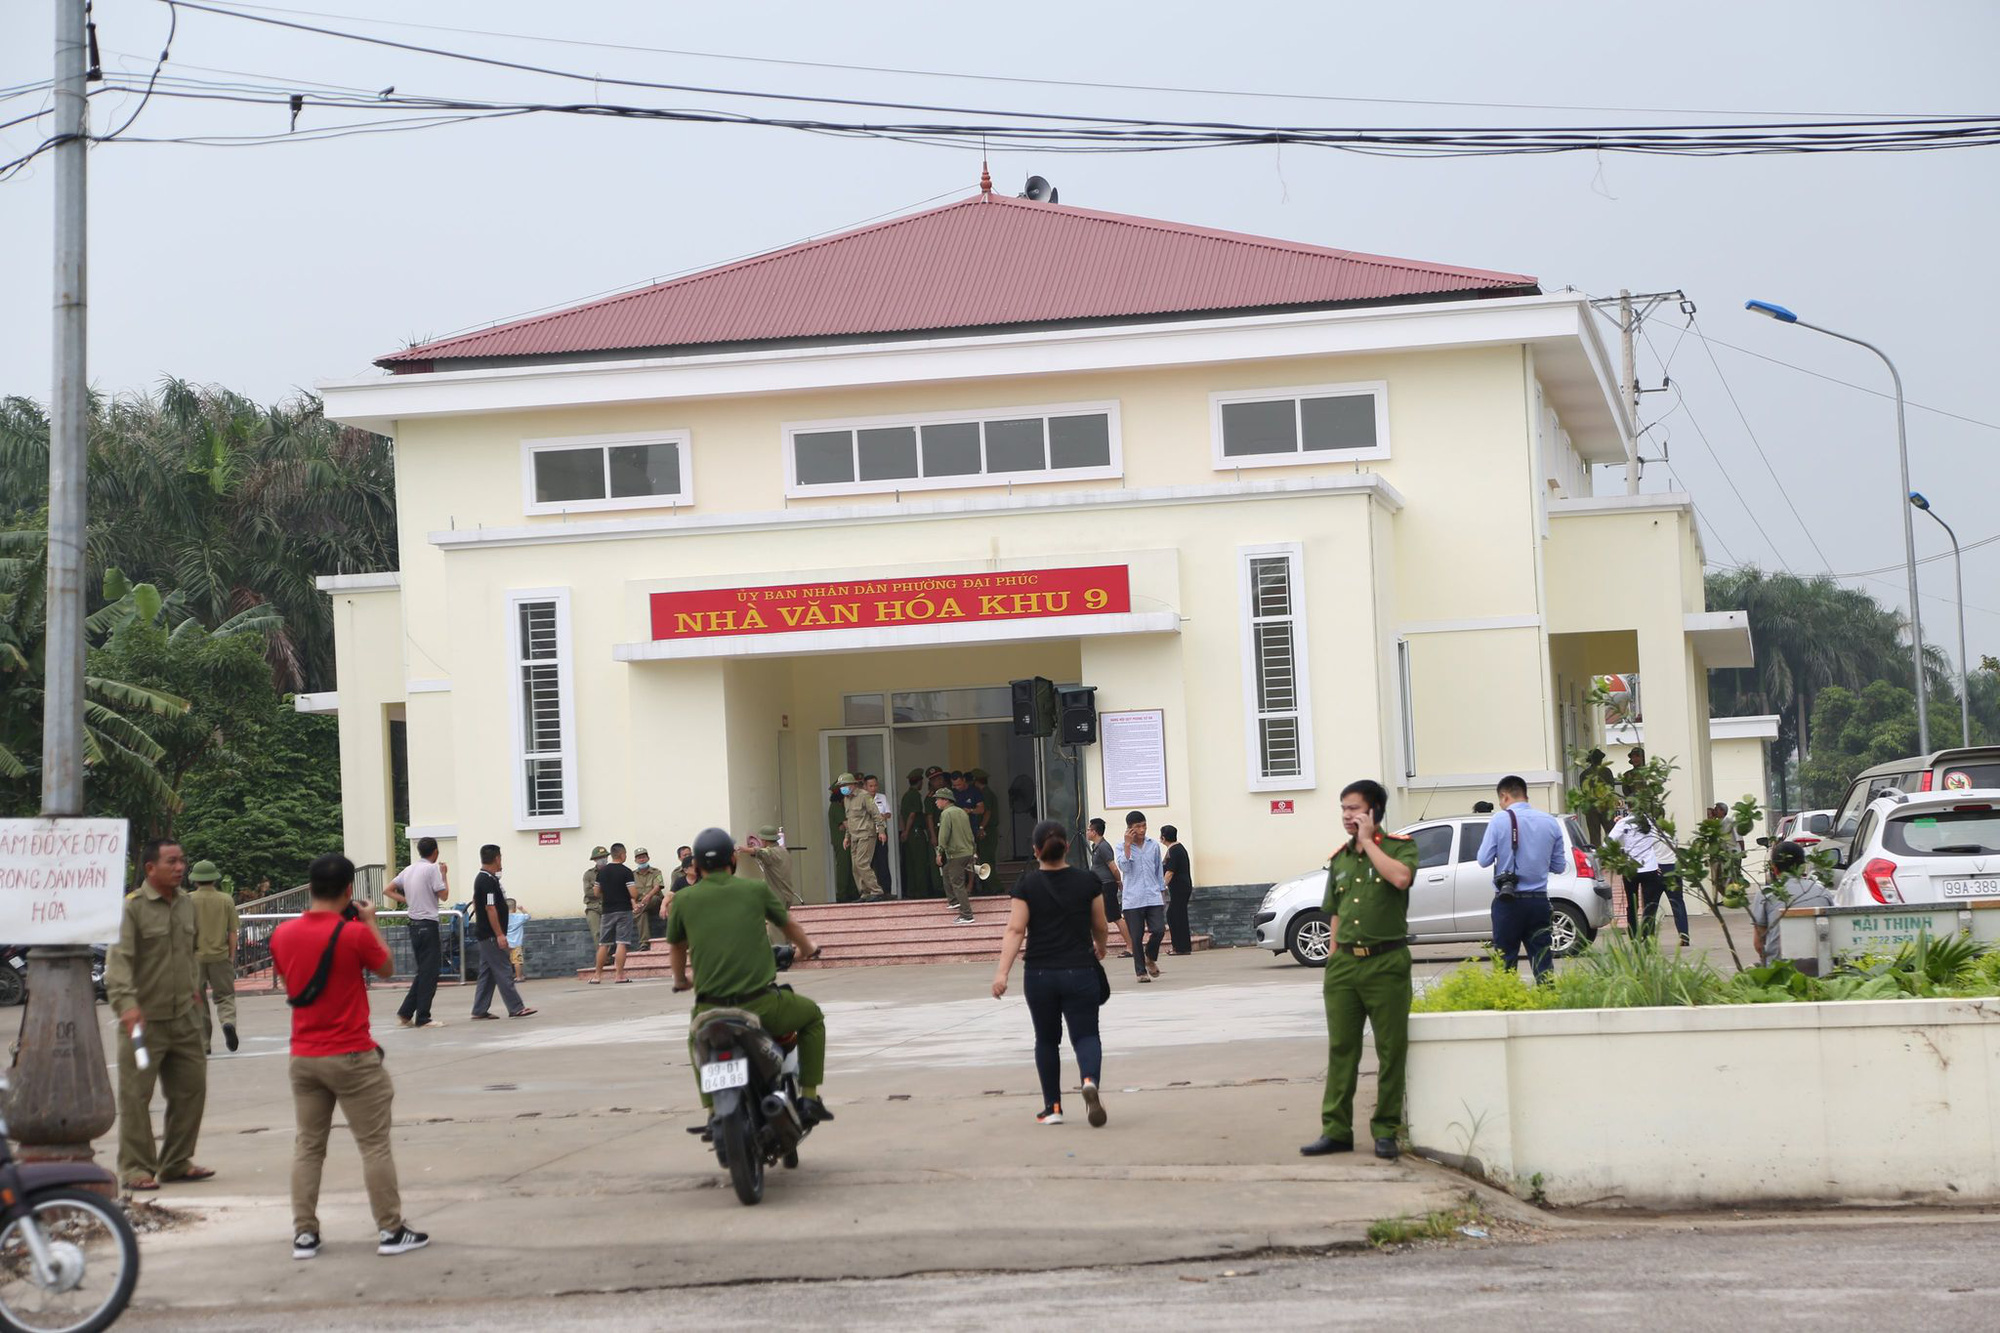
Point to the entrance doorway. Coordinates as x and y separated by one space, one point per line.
860 751
958 730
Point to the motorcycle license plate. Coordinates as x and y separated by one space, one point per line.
1972 888
725 1074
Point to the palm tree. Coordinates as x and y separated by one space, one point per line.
1809 634
117 749
227 505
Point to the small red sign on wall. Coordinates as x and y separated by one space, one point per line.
551 838
1281 807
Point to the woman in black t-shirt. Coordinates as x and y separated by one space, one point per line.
1059 912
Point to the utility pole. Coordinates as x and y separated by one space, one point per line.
62 1096
1629 387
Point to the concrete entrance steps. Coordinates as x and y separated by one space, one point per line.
882 934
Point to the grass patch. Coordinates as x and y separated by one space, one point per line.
1403 1229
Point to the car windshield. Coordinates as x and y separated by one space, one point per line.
1972 831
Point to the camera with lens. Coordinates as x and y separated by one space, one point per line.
1505 884
351 912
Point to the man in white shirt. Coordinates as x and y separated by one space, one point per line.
1643 846
421 888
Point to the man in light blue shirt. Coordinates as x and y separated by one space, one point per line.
1524 846
1141 864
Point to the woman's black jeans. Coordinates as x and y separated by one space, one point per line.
1057 995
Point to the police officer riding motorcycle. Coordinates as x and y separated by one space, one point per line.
758 1047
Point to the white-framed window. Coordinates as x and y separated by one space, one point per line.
587 473
544 709
1277 713
945 450
1407 705
1306 426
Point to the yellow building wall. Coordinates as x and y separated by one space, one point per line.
368 677
1740 769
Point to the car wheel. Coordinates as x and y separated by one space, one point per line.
1568 930
1310 938
13 987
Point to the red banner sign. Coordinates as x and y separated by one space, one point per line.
1281 807
550 838
1028 594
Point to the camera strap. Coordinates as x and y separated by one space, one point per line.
321 973
1516 825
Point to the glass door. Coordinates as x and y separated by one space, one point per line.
860 751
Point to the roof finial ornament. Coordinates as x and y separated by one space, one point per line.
985 178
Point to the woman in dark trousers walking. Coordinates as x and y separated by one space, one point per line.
1180 888
1059 913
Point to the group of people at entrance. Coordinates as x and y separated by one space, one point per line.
866 831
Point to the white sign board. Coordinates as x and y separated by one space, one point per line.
1849 931
62 881
1134 747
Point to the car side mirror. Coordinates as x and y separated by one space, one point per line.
1839 858
1763 842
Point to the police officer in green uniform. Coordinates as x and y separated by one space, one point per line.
913 830
1368 972
649 889
844 890
218 927
720 920
593 901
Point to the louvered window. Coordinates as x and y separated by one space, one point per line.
1003 446
1309 426
545 758
1280 722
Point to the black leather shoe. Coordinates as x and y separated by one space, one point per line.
813 1111
229 1035
1387 1150
1323 1145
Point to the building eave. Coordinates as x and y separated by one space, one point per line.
1569 353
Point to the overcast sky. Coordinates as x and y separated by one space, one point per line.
271 268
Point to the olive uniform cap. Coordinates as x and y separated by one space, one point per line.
641 851
599 850
845 780
204 872
768 832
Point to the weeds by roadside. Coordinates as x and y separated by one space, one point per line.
1467 1219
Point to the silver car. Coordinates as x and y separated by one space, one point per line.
1452 897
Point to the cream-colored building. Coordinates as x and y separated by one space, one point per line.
1299 516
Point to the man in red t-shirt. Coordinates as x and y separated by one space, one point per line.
335 1062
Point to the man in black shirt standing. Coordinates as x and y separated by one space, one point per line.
1180 888
614 885
489 928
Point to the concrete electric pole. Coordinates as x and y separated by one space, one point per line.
62 1095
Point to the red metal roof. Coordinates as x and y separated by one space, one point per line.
984 261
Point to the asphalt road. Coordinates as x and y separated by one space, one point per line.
1918 1273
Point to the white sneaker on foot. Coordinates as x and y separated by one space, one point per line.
1095 1104
402 1240
305 1245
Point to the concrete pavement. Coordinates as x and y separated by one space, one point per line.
548 1155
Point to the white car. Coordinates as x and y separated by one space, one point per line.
1930 847
1452 896
1807 828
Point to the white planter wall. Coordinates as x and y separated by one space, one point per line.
1882 1101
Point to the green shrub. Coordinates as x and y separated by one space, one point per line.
1477 985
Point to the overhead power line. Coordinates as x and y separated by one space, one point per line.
961 76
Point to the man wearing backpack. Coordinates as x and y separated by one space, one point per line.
322 956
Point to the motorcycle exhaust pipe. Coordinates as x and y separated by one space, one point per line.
783 1116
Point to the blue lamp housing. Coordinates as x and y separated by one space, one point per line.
1776 312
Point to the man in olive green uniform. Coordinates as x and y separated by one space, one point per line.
1368 972
836 829
863 829
150 981
593 901
774 863
913 829
216 926
649 886
720 920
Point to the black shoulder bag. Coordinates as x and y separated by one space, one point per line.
314 987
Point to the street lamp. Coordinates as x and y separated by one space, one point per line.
1784 316
1964 663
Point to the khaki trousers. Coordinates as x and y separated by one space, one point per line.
359 1085
180 1066
958 879
862 856
218 981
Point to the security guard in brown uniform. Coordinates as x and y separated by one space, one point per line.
649 886
216 926
863 828
593 901
150 981
1368 971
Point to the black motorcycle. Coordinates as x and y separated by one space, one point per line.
753 1077
14 972
68 1258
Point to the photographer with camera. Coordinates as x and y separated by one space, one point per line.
1524 846
321 957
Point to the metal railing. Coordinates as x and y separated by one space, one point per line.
253 952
